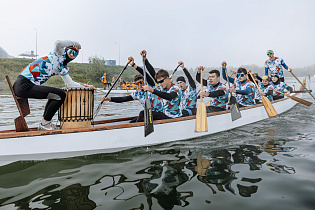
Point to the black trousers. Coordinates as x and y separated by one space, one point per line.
156 116
211 109
186 113
277 97
26 89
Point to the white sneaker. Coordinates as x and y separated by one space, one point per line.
48 126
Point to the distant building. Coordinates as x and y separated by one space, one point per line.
28 54
111 62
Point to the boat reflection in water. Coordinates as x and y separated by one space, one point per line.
139 179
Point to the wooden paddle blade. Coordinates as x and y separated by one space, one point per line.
235 112
20 124
302 101
201 118
148 119
209 103
268 107
25 108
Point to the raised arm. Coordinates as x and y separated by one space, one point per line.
148 64
231 79
189 77
204 81
140 70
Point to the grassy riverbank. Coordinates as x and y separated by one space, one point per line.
79 72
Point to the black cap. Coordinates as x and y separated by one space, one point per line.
181 78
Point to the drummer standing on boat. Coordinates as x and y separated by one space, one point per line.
188 92
244 88
217 91
29 83
274 65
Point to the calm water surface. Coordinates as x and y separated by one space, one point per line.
266 165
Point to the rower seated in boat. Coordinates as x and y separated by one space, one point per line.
265 87
29 83
244 88
217 91
137 95
188 92
279 86
156 103
170 95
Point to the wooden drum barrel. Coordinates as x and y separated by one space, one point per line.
77 109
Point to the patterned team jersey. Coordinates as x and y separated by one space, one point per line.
156 102
188 98
220 101
139 95
275 66
280 87
43 68
245 100
264 90
172 108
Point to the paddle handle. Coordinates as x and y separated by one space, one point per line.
228 81
117 78
255 82
201 84
279 92
174 71
227 77
100 105
302 84
14 96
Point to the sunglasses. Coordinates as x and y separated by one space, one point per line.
139 83
240 75
269 54
161 81
274 75
73 52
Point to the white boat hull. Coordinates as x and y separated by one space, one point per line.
107 141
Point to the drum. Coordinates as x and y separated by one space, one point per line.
77 109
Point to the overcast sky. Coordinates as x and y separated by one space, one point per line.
199 32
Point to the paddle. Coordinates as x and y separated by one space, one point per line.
302 101
174 72
100 105
226 80
267 104
20 123
235 111
201 115
302 84
148 118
